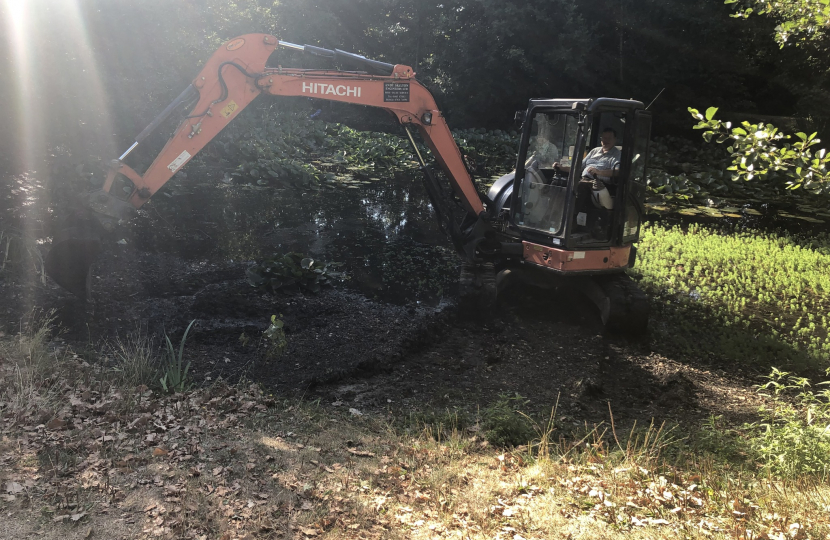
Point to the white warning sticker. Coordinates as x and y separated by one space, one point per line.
179 161
579 254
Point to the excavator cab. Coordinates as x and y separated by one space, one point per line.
559 200
575 202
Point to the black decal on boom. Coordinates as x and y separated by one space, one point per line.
396 92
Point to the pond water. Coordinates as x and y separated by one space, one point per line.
381 229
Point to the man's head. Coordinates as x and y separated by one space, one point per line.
608 138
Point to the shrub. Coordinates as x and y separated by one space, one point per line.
793 436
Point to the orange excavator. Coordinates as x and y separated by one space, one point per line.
555 221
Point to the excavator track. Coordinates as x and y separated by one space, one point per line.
623 306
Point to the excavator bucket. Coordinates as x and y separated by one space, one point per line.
75 246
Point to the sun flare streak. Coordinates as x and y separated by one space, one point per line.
60 105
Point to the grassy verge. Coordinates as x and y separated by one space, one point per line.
748 296
92 451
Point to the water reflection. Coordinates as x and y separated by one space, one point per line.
383 231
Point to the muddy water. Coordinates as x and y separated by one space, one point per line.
185 255
382 231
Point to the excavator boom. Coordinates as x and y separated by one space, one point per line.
236 75
231 79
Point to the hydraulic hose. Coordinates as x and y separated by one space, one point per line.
224 86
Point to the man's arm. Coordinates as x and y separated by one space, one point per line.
602 173
567 168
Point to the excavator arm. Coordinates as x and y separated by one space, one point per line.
234 76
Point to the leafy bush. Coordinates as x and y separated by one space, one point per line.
293 270
504 425
762 151
493 152
275 334
270 145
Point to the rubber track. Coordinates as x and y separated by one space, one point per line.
629 307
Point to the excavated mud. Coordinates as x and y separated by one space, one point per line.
390 336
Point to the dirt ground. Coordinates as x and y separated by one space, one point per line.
380 340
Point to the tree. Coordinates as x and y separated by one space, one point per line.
761 150
800 20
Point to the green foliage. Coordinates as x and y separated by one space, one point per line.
799 20
293 270
504 424
175 371
762 151
282 146
275 334
749 296
793 436
681 171
492 152
481 59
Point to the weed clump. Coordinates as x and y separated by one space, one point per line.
792 438
504 424
175 372
29 369
136 360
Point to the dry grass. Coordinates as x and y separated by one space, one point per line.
232 463
136 360
29 369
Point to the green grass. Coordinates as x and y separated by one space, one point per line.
756 297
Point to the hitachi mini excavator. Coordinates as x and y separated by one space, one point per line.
537 224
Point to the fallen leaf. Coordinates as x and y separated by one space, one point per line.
158 452
56 423
78 517
355 412
308 532
60 519
13 487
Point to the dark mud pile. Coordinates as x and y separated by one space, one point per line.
388 337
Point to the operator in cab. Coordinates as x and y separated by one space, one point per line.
600 161
598 170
